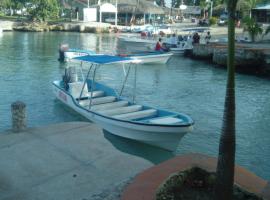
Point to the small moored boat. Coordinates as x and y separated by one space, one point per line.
72 53
181 48
115 113
148 57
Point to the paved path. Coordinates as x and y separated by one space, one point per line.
69 161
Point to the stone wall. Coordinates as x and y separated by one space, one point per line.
247 58
202 51
67 26
7 25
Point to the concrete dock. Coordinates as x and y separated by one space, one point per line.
69 161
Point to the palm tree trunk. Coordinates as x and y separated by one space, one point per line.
226 158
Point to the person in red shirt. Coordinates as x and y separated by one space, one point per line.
159 45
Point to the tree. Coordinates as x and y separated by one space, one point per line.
267 30
175 3
160 3
226 157
252 27
6 4
44 9
204 7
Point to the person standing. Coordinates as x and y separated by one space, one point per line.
196 38
207 37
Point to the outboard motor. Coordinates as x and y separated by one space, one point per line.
62 49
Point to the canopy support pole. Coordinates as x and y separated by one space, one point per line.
135 84
92 87
123 86
84 83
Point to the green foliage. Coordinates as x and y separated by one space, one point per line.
160 3
5 3
44 9
252 27
213 21
267 30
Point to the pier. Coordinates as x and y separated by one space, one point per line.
248 57
64 161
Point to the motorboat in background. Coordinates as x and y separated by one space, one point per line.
66 53
115 113
72 53
181 48
149 57
146 57
137 39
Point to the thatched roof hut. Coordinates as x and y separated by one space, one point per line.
138 7
124 6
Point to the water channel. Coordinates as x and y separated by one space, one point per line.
28 65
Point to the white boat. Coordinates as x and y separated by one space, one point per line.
136 39
181 48
114 113
148 57
72 53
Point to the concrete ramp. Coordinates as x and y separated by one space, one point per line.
69 161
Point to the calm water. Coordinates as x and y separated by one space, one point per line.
28 65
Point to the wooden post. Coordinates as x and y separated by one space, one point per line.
18 116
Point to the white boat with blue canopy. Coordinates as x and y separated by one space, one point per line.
146 57
115 113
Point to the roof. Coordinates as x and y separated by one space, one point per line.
265 7
104 59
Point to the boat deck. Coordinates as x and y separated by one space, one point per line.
107 104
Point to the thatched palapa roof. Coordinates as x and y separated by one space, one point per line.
125 6
138 7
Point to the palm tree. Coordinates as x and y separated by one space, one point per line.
226 157
204 6
267 30
252 27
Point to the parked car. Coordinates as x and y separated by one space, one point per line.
203 22
223 19
222 22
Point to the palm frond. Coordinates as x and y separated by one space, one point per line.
267 30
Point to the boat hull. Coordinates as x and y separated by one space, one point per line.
158 59
166 137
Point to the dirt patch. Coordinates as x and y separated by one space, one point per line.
196 184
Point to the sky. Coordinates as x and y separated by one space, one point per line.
168 3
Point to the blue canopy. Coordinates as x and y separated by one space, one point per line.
104 59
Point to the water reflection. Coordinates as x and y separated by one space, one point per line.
148 152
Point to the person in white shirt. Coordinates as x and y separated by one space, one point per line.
173 40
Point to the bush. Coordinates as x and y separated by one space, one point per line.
252 27
213 21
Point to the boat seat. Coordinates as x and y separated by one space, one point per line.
75 89
137 115
98 100
166 120
121 110
107 106
97 93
